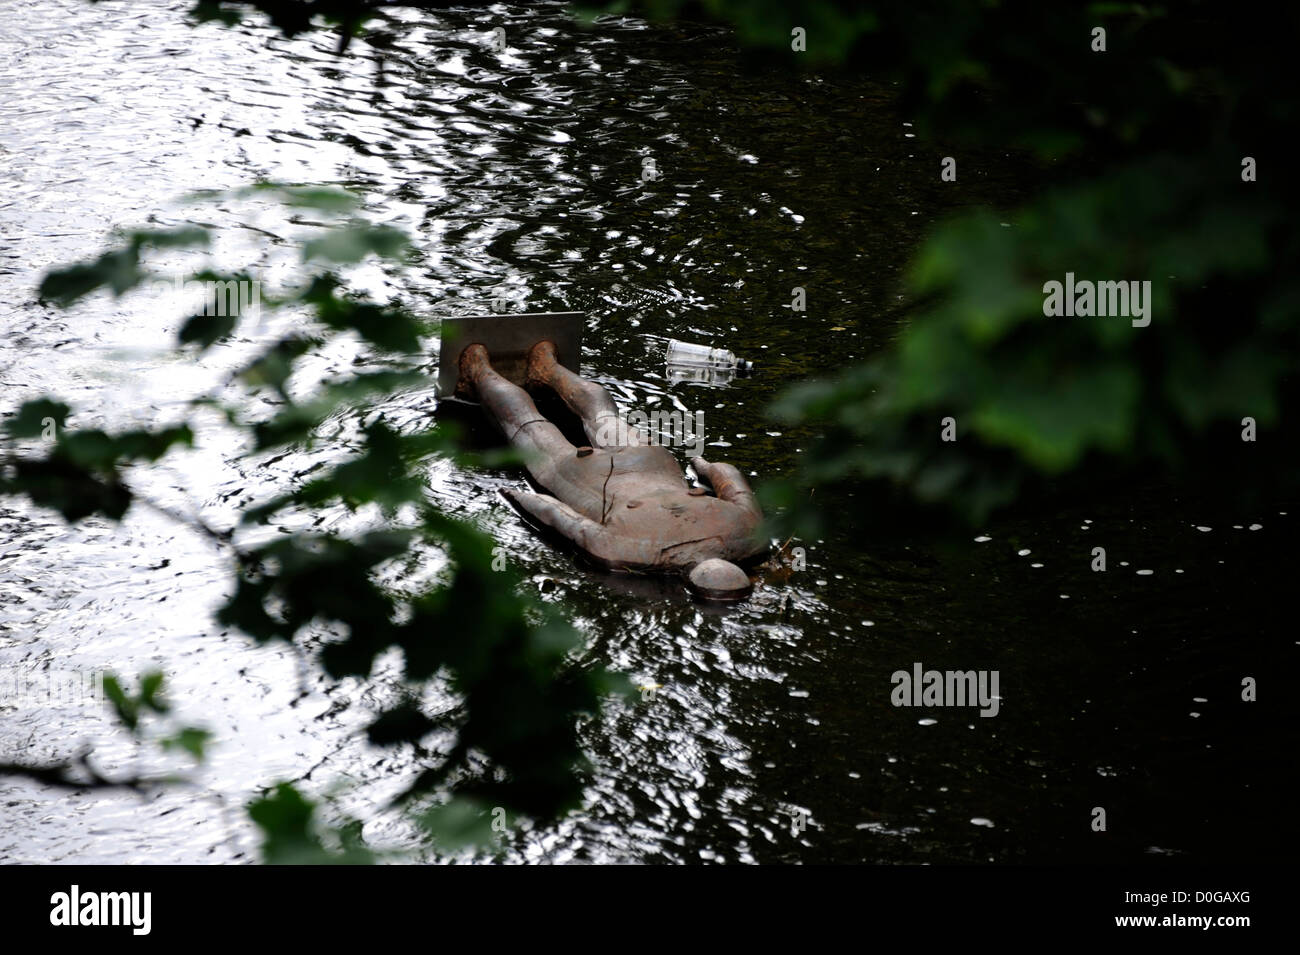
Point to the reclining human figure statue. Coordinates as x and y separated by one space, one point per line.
623 501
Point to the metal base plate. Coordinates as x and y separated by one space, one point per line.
508 339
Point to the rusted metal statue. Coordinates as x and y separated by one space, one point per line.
622 501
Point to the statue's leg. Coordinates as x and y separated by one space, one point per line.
511 409
604 426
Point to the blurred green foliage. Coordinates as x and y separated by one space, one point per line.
294 834
130 708
505 657
1142 146
1143 149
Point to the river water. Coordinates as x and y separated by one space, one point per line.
771 737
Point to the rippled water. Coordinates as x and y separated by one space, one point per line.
520 176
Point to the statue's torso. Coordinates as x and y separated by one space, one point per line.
647 514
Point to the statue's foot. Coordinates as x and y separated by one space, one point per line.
541 364
474 360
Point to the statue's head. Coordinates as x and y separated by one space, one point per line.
717 579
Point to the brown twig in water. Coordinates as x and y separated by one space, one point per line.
780 551
76 773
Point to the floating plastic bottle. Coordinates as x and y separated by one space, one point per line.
700 375
688 354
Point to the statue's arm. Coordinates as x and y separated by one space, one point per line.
558 516
728 483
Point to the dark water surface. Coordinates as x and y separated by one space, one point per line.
520 176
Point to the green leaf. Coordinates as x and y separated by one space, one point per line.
289 832
35 417
206 330
191 739
151 685
286 819
246 610
151 445
274 366
320 198
388 328
126 708
91 449
401 724
205 11
182 237
60 483
461 823
347 245
63 287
